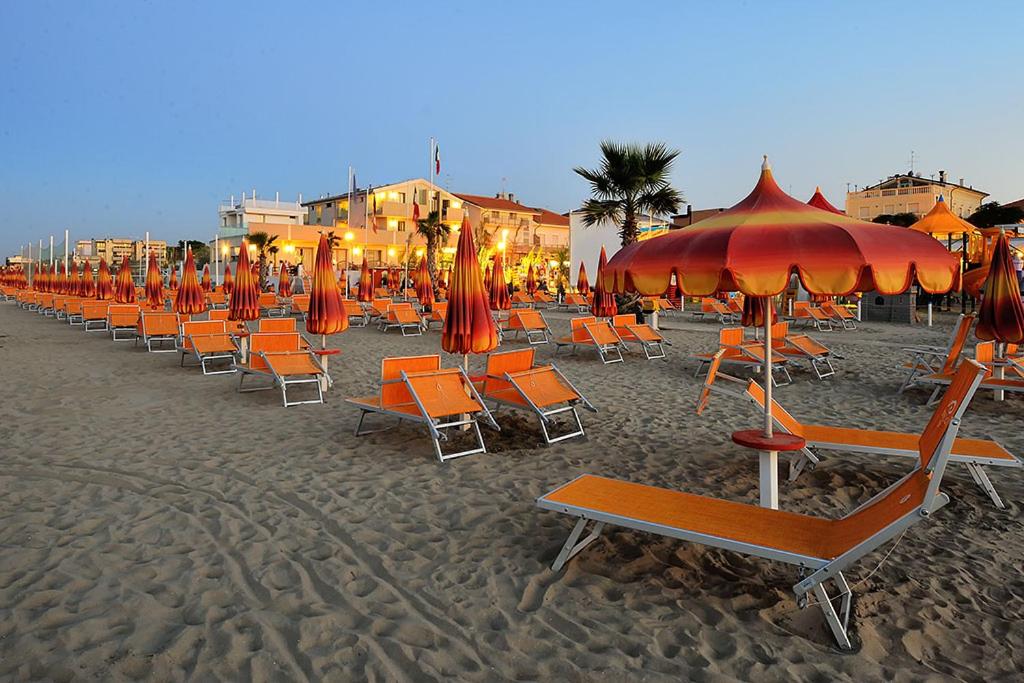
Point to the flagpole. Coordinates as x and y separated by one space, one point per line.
51 251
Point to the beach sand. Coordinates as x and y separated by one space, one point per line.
155 524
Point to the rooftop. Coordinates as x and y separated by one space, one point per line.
498 203
917 179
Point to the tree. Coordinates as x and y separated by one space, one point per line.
433 231
902 219
992 213
262 241
631 180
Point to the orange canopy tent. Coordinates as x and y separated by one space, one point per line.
603 305
206 283
1001 315
499 298
942 223
284 282
424 287
124 287
325 311
818 201
86 286
104 283
468 325
365 292
244 303
229 281
189 299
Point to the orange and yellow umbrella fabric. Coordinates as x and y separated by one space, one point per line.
87 286
71 274
582 284
424 287
172 281
284 282
941 223
365 292
104 283
754 309
190 298
154 284
244 303
326 315
603 305
531 281
818 201
499 298
124 286
206 284
394 280
756 246
468 325
229 281
1001 315
488 278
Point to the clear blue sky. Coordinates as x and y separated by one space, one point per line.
117 117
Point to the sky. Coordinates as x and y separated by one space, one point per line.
122 117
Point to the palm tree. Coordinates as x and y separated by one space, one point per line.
434 231
262 241
631 180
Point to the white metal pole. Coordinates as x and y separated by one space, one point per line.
769 460
66 246
216 258
929 314
51 251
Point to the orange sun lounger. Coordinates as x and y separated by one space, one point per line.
73 310
299 305
577 301
123 318
280 358
799 347
438 311
416 389
522 300
208 341
741 353
984 353
811 315
928 360
282 325
714 373
713 308
531 322
356 315
823 548
599 334
235 327
840 314
404 317
94 315
216 300
513 380
157 327
630 331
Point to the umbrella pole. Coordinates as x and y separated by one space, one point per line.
767 369
465 367
323 361
769 460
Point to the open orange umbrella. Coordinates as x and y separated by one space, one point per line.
499 299
284 281
424 287
154 284
603 304
206 283
245 296
124 286
582 285
531 281
1001 315
87 286
365 292
818 201
326 315
172 281
229 281
190 298
104 283
468 325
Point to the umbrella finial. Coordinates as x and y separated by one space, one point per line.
817 188
765 166
941 199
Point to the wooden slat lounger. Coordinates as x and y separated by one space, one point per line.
822 548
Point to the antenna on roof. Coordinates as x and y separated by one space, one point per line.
911 162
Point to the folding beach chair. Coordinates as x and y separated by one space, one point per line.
280 358
748 355
513 380
157 327
299 305
356 315
811 315
821 547
123 318
713 308
438 311
663 305
521 299
984 353
377 309
73 310
928 360
94 315
404 317
632 332
208 341
715 373
531 322
45 304
416 389
599 334
800 347
272 306
577 301
840 314
216 300
59 302
282 325
381 293
974 454
542 297
235 327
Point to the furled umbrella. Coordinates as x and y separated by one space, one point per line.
71 274
206 283
124 286
582 284
757 245
365 293
1001 314
172 281
603 304
468 325
245 296
531 281
190 298
229 281
104 283
154 284
326 314
818 201
284 282
499 298
488 278
424 287
87 286
394 280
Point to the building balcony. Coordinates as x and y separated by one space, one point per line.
452 215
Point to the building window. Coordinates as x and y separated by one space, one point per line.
401 226
401 197
865 212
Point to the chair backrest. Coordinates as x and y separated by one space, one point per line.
780 330
603 333
267 300
730 336
985 352
351 307
802 308
405 315
396 393
123 315
950 408
216 297
274 342
579 330
300 303
510 361
217 314
956 346
521 298
443 392
156 323
197 327
276 325
94 310
380 292
782 416
528 318
709 381
380 306
623 319
400 305
707 305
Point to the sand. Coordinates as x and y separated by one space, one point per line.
156 525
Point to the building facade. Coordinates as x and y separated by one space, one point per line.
114 249
910 193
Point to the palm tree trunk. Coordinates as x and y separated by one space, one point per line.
432 261
629 228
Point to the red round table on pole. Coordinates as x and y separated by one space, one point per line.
768 448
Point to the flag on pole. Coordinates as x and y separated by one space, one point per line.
437 158
415 208
373 216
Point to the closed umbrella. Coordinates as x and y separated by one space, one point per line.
499 298
104 283
154 284
603 305
582 285
124 286
87 286
206 284
284 282
1001 314
531 281
172 281
365 293
424 287
468 325
74 282
190 298
488 278
229 281
326 314
245 296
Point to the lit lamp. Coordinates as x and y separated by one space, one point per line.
501 246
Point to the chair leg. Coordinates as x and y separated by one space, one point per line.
573 545
982 480
839 621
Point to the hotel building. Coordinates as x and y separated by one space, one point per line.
910 193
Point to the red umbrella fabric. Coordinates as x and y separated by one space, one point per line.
488 278
365 292
468 325
499 298
1001 316
206 284
754 309
87 286
172 281
582 284
603 304
74 284
124 286
424 287
154 284
245 296
190 298
818 201
229 281
326 315
394 280
284 281
104 283
531 281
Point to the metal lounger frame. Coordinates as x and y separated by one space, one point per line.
654 350
209 357
750 362
280 381
544 416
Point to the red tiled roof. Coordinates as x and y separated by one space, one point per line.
1018 204
494 203
545 217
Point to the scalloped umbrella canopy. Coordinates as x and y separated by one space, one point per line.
603 304
154 284
86 286
206 284
468 325
941 223
124 286
365 292
818 201
1001 316
326 315
104 283
424 287
284 281
756 245
190 298
245 296
582 284
531 281
229 280
499 298
172 281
